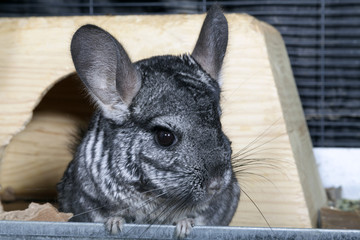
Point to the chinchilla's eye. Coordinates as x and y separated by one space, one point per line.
164 138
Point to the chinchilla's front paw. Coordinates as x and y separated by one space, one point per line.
184 227
115 224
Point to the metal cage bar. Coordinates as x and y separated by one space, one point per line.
56 230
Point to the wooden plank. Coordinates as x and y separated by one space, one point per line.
262 112
332 218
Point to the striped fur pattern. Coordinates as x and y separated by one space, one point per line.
120 169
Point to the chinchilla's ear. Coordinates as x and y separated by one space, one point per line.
106 70
211 45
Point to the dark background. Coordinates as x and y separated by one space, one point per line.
322 38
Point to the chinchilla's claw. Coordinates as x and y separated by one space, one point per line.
184 227
115 224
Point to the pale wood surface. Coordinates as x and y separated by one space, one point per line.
296 128
260 104
36 158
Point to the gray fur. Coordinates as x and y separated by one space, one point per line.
119 170
211 45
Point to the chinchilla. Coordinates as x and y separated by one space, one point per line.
154 151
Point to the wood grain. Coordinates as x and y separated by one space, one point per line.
262 113
36 158
333 218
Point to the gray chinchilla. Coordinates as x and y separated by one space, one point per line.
155 151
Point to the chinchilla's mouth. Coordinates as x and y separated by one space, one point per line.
147 187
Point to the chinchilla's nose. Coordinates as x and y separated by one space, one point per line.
214 185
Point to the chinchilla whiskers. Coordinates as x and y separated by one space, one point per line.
257 207
251 151
182 205
166 208
251 175
246 158
88 211
247 162
243 163
255 150
171 201
258 138
242 176
178 207
248 167
142 204
242 168
172 208
152 199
